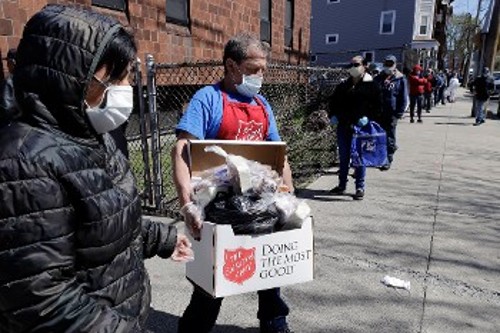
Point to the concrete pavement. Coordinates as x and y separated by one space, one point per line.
432 219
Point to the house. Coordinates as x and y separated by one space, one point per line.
177 31
341 29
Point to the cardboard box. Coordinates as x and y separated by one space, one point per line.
228 264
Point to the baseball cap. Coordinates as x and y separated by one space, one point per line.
417 68
391 58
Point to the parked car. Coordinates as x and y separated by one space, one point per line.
496 83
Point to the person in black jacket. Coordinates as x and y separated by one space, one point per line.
482 86
355 101
72 239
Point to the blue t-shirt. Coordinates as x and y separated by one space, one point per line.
203 116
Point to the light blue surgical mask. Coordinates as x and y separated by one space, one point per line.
250 85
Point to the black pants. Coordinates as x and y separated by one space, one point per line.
202 312
416 100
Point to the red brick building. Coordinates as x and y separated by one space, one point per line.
176 31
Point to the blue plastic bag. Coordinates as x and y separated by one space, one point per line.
369 146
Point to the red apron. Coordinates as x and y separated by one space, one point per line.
243 121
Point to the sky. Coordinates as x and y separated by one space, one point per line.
467 6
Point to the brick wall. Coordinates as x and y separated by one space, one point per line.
212 23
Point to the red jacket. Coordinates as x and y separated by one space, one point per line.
428 84
416 84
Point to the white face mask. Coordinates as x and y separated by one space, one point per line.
119 105
250 85
356 71
389 70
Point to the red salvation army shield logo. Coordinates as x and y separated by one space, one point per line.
239 264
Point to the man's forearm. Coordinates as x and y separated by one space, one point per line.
182 176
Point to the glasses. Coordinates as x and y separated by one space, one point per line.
354 64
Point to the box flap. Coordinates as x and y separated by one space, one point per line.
270 153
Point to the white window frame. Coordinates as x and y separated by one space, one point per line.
329 2
373 55
327 36
393 23
420 25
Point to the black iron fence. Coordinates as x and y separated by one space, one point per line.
297 95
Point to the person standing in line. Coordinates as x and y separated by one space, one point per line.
417 84
72 237
440 87
452 88
354 102
483 85
428 90
231 109
394 89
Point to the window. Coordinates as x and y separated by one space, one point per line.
332 1
289 13
111 4
424 22
387 21
369 56
265 20
177 11
332 39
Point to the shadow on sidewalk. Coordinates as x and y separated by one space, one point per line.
322 195
162 322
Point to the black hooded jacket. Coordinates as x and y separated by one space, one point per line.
350 102
72 240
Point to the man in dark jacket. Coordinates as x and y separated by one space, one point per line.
355 101
482 87
72 240
394 100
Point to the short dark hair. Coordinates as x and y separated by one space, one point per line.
121 50
237 47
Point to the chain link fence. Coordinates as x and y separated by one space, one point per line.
297 94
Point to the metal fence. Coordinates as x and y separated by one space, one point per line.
297 95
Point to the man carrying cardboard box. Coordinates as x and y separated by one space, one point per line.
231 109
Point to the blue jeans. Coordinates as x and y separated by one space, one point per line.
344 139
480 105
202 312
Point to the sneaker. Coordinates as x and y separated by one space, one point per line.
359 194
419 121
277 325
385 167
412 121
337 190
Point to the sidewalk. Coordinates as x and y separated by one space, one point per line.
432 219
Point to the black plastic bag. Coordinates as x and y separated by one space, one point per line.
246 214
